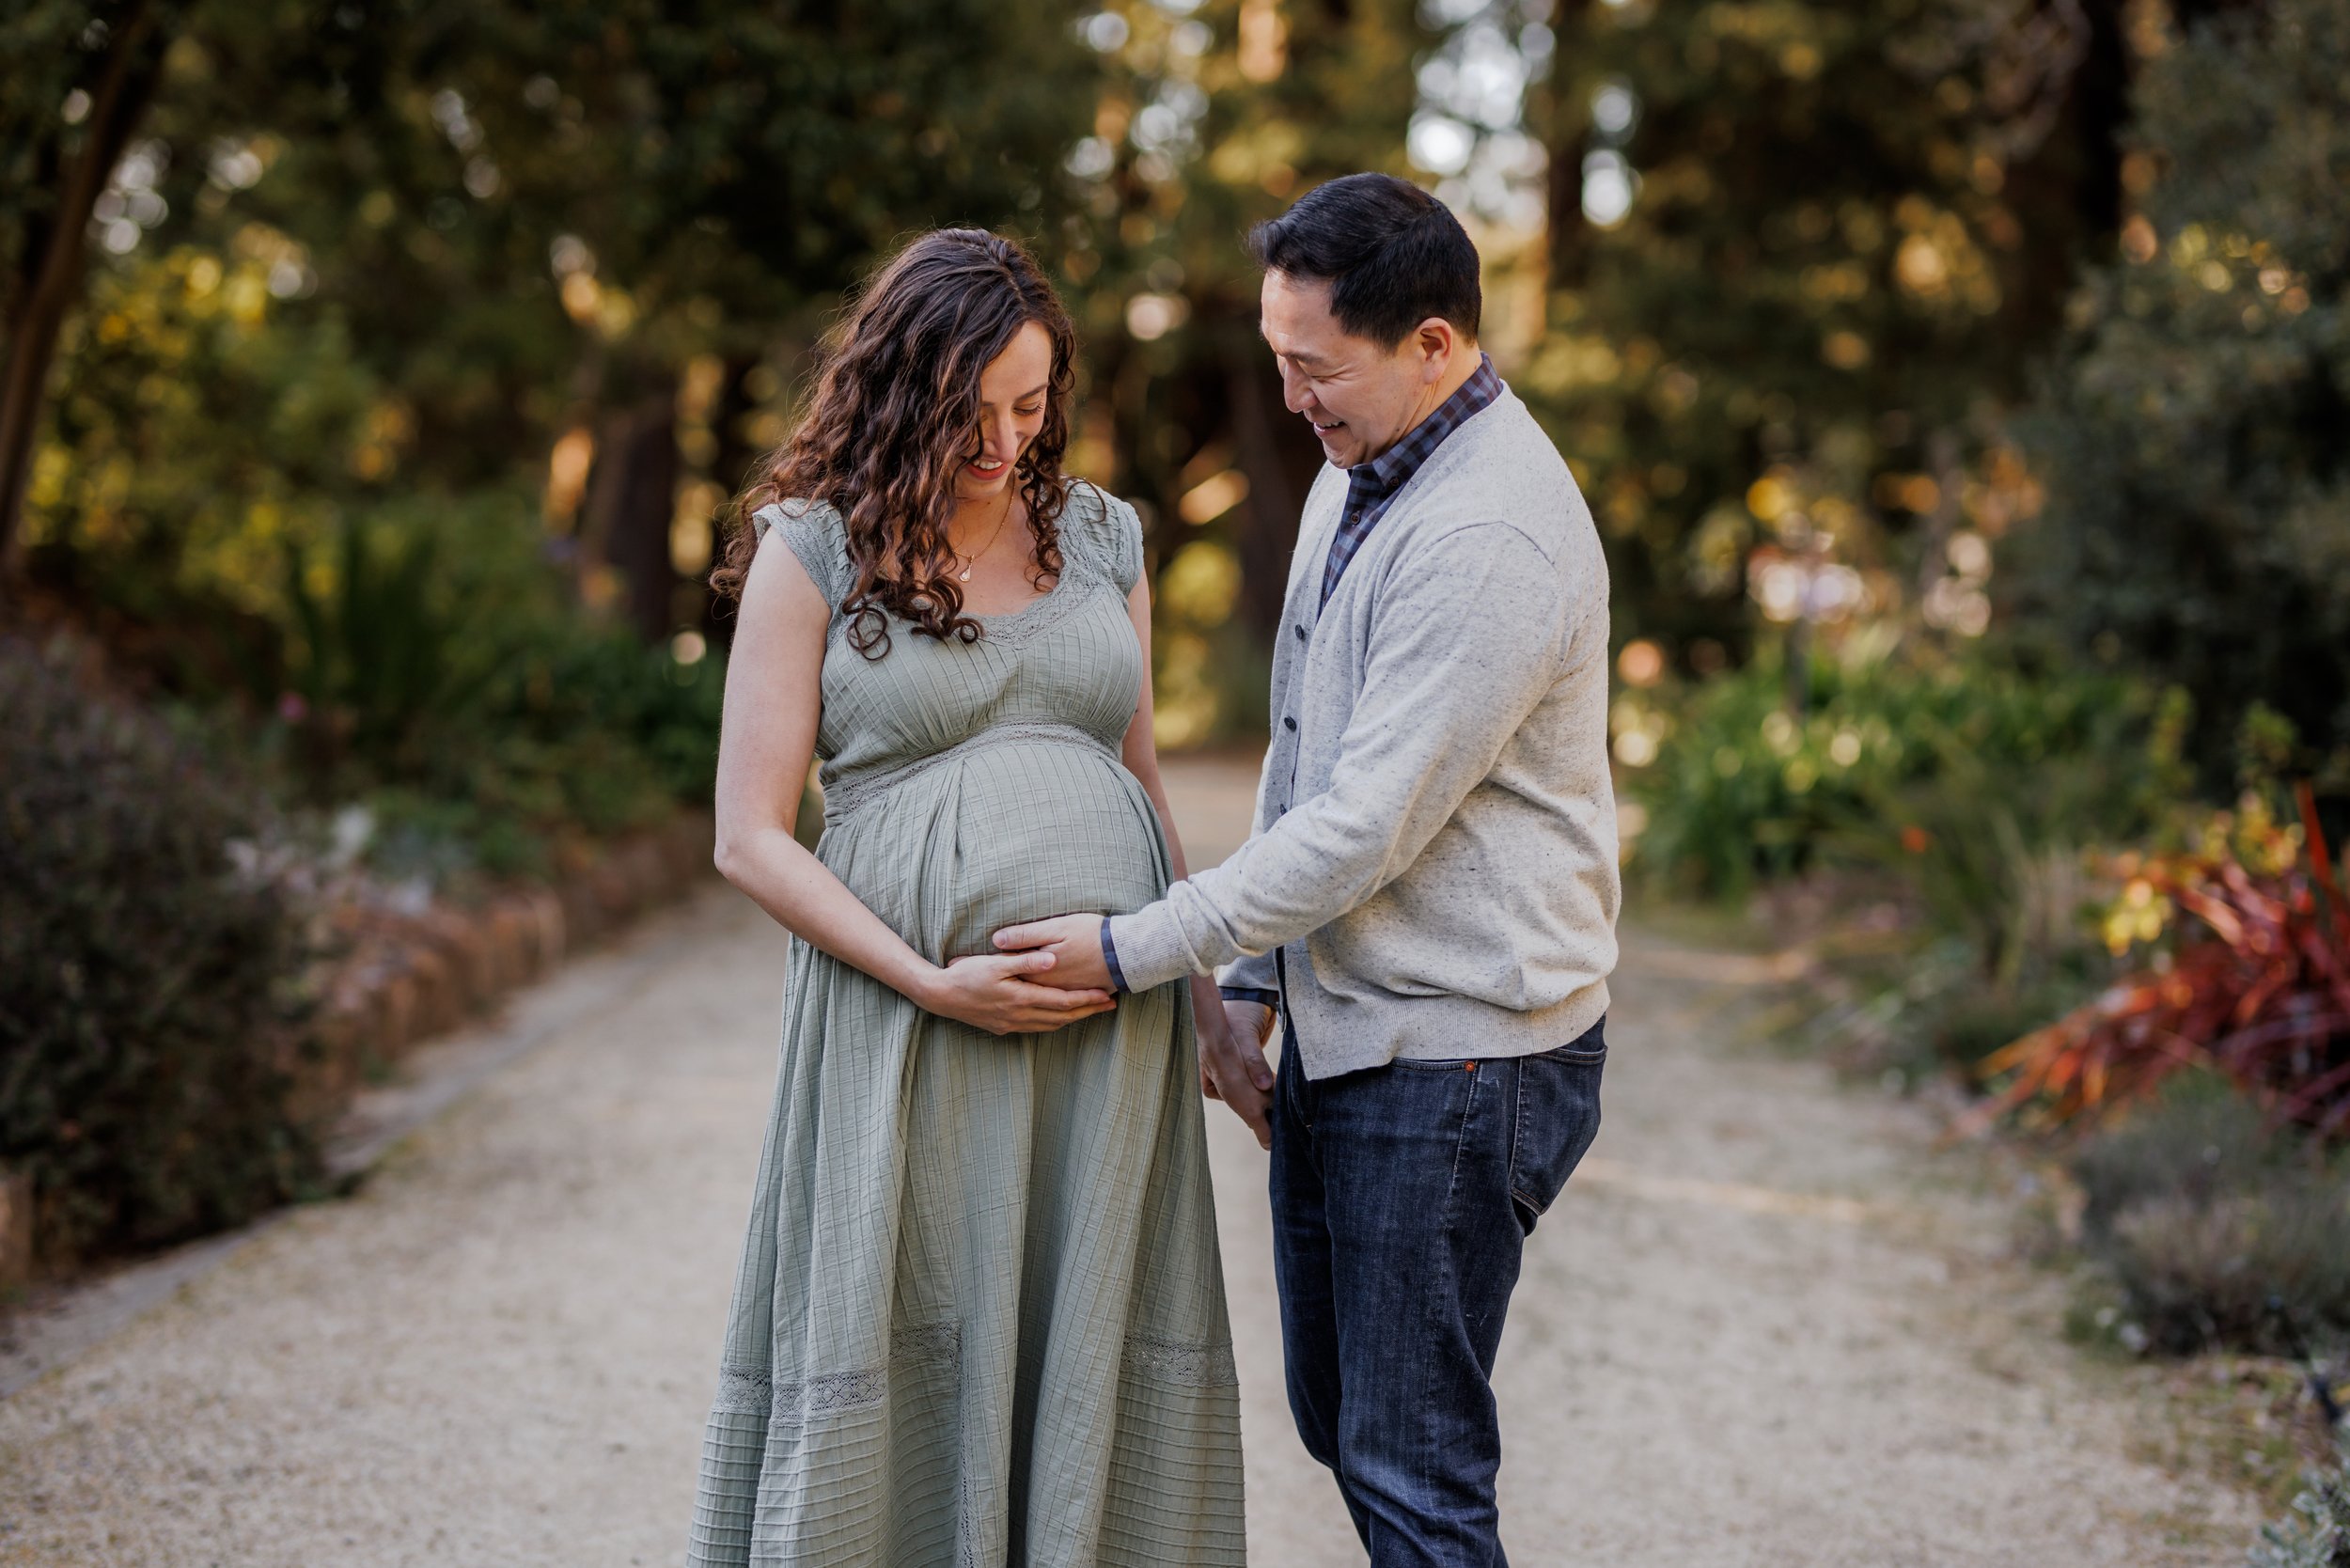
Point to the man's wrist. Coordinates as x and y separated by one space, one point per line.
1268 999
1110 958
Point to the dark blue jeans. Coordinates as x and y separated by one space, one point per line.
1401 1199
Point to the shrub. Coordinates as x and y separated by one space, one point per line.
1958 1021
1957 772
143 982
1994 826
438 667
2261 993
393 649
2205 1213
2319 1536
583 729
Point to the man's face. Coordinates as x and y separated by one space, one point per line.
1359 397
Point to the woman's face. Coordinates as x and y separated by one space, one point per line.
1013 392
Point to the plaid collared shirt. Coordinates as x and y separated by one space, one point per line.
1372 486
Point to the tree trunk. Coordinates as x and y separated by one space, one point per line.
53 260
1565 127
733 468
632 496
2067 191
1280 469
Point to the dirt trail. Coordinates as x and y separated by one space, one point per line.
1765 1325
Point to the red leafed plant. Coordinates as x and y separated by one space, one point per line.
2262 994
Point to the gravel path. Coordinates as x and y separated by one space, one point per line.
1766 1326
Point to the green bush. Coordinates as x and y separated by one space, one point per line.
393 644
1964 772
145 981
2206 1216
438 668
1994 828
2319 1536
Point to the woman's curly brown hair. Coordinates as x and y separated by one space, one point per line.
893 416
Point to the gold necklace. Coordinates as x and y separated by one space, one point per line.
964 575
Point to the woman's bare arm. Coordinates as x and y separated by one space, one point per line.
774 700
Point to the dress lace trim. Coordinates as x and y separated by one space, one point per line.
744 1394
842 799
746 1391
1185 1366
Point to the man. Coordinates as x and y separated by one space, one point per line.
1430 893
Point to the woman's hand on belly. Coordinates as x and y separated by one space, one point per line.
991 993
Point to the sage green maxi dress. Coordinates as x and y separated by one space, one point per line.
979 1315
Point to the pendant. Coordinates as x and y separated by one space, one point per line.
964 575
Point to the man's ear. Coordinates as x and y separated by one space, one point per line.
1439 340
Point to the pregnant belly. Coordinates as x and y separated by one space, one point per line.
1012 832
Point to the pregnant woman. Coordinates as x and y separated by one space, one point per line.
979 1316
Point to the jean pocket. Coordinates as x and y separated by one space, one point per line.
1558 1116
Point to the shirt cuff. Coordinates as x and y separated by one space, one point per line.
1250 993
1109 957
1151 949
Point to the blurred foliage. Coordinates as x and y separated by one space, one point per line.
1964 772
1210 118
2208 1219
2319 1535
1973 795
402 401
437 662
2195 428
147 982
2249 976
497 224
1798 257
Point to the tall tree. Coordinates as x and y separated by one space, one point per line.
527 223
82 78
1220 118
1799 252
2196 429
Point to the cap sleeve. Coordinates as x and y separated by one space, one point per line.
813 532
1114 531
1125 545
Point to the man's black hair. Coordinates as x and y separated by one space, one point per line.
1392 254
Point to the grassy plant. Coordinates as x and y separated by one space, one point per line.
2208 1218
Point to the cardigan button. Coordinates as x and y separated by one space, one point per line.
1301 633
1290 722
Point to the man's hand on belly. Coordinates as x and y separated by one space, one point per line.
1075 943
